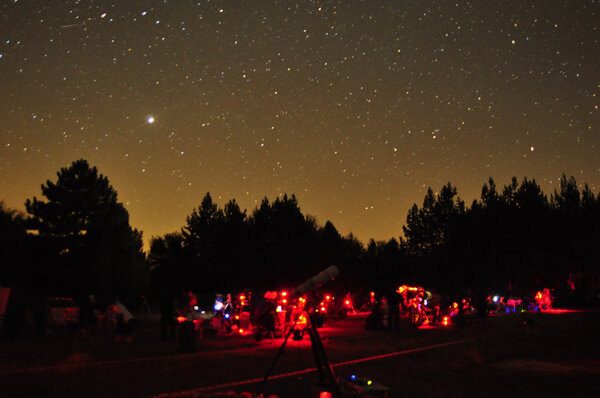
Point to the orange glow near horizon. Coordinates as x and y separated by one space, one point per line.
377 132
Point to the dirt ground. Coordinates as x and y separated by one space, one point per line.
516 355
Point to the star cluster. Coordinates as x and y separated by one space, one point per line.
355 106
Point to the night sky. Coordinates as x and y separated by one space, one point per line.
354 106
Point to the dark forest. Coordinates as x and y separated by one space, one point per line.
78 241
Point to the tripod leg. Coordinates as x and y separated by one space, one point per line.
91 342
264 382
326 375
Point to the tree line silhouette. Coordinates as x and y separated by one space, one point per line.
78 241
513 240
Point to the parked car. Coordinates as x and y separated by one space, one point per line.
63 312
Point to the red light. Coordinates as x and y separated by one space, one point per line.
241 331
538 296
284 293
284 301
301 322
181 319
372 294
237 317
242 297
445 321
323 309
325 394
328 297
347 302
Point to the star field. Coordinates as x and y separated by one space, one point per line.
355 106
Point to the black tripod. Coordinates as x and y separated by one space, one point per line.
82 334
326 378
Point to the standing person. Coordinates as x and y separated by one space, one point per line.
87 320
125 323
41 310
266 322
385 312
167 315
394 311
87 314
373 321
227 314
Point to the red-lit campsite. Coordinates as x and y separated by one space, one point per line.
307 341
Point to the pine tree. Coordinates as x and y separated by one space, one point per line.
93 247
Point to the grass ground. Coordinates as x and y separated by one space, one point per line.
550 355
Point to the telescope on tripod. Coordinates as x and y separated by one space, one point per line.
328 385
325 373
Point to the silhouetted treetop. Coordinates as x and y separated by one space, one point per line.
490 198
568 197
203 222
94 247
80 201
426 228
529 196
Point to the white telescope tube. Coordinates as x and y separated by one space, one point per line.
326 275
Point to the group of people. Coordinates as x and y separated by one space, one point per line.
115 313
